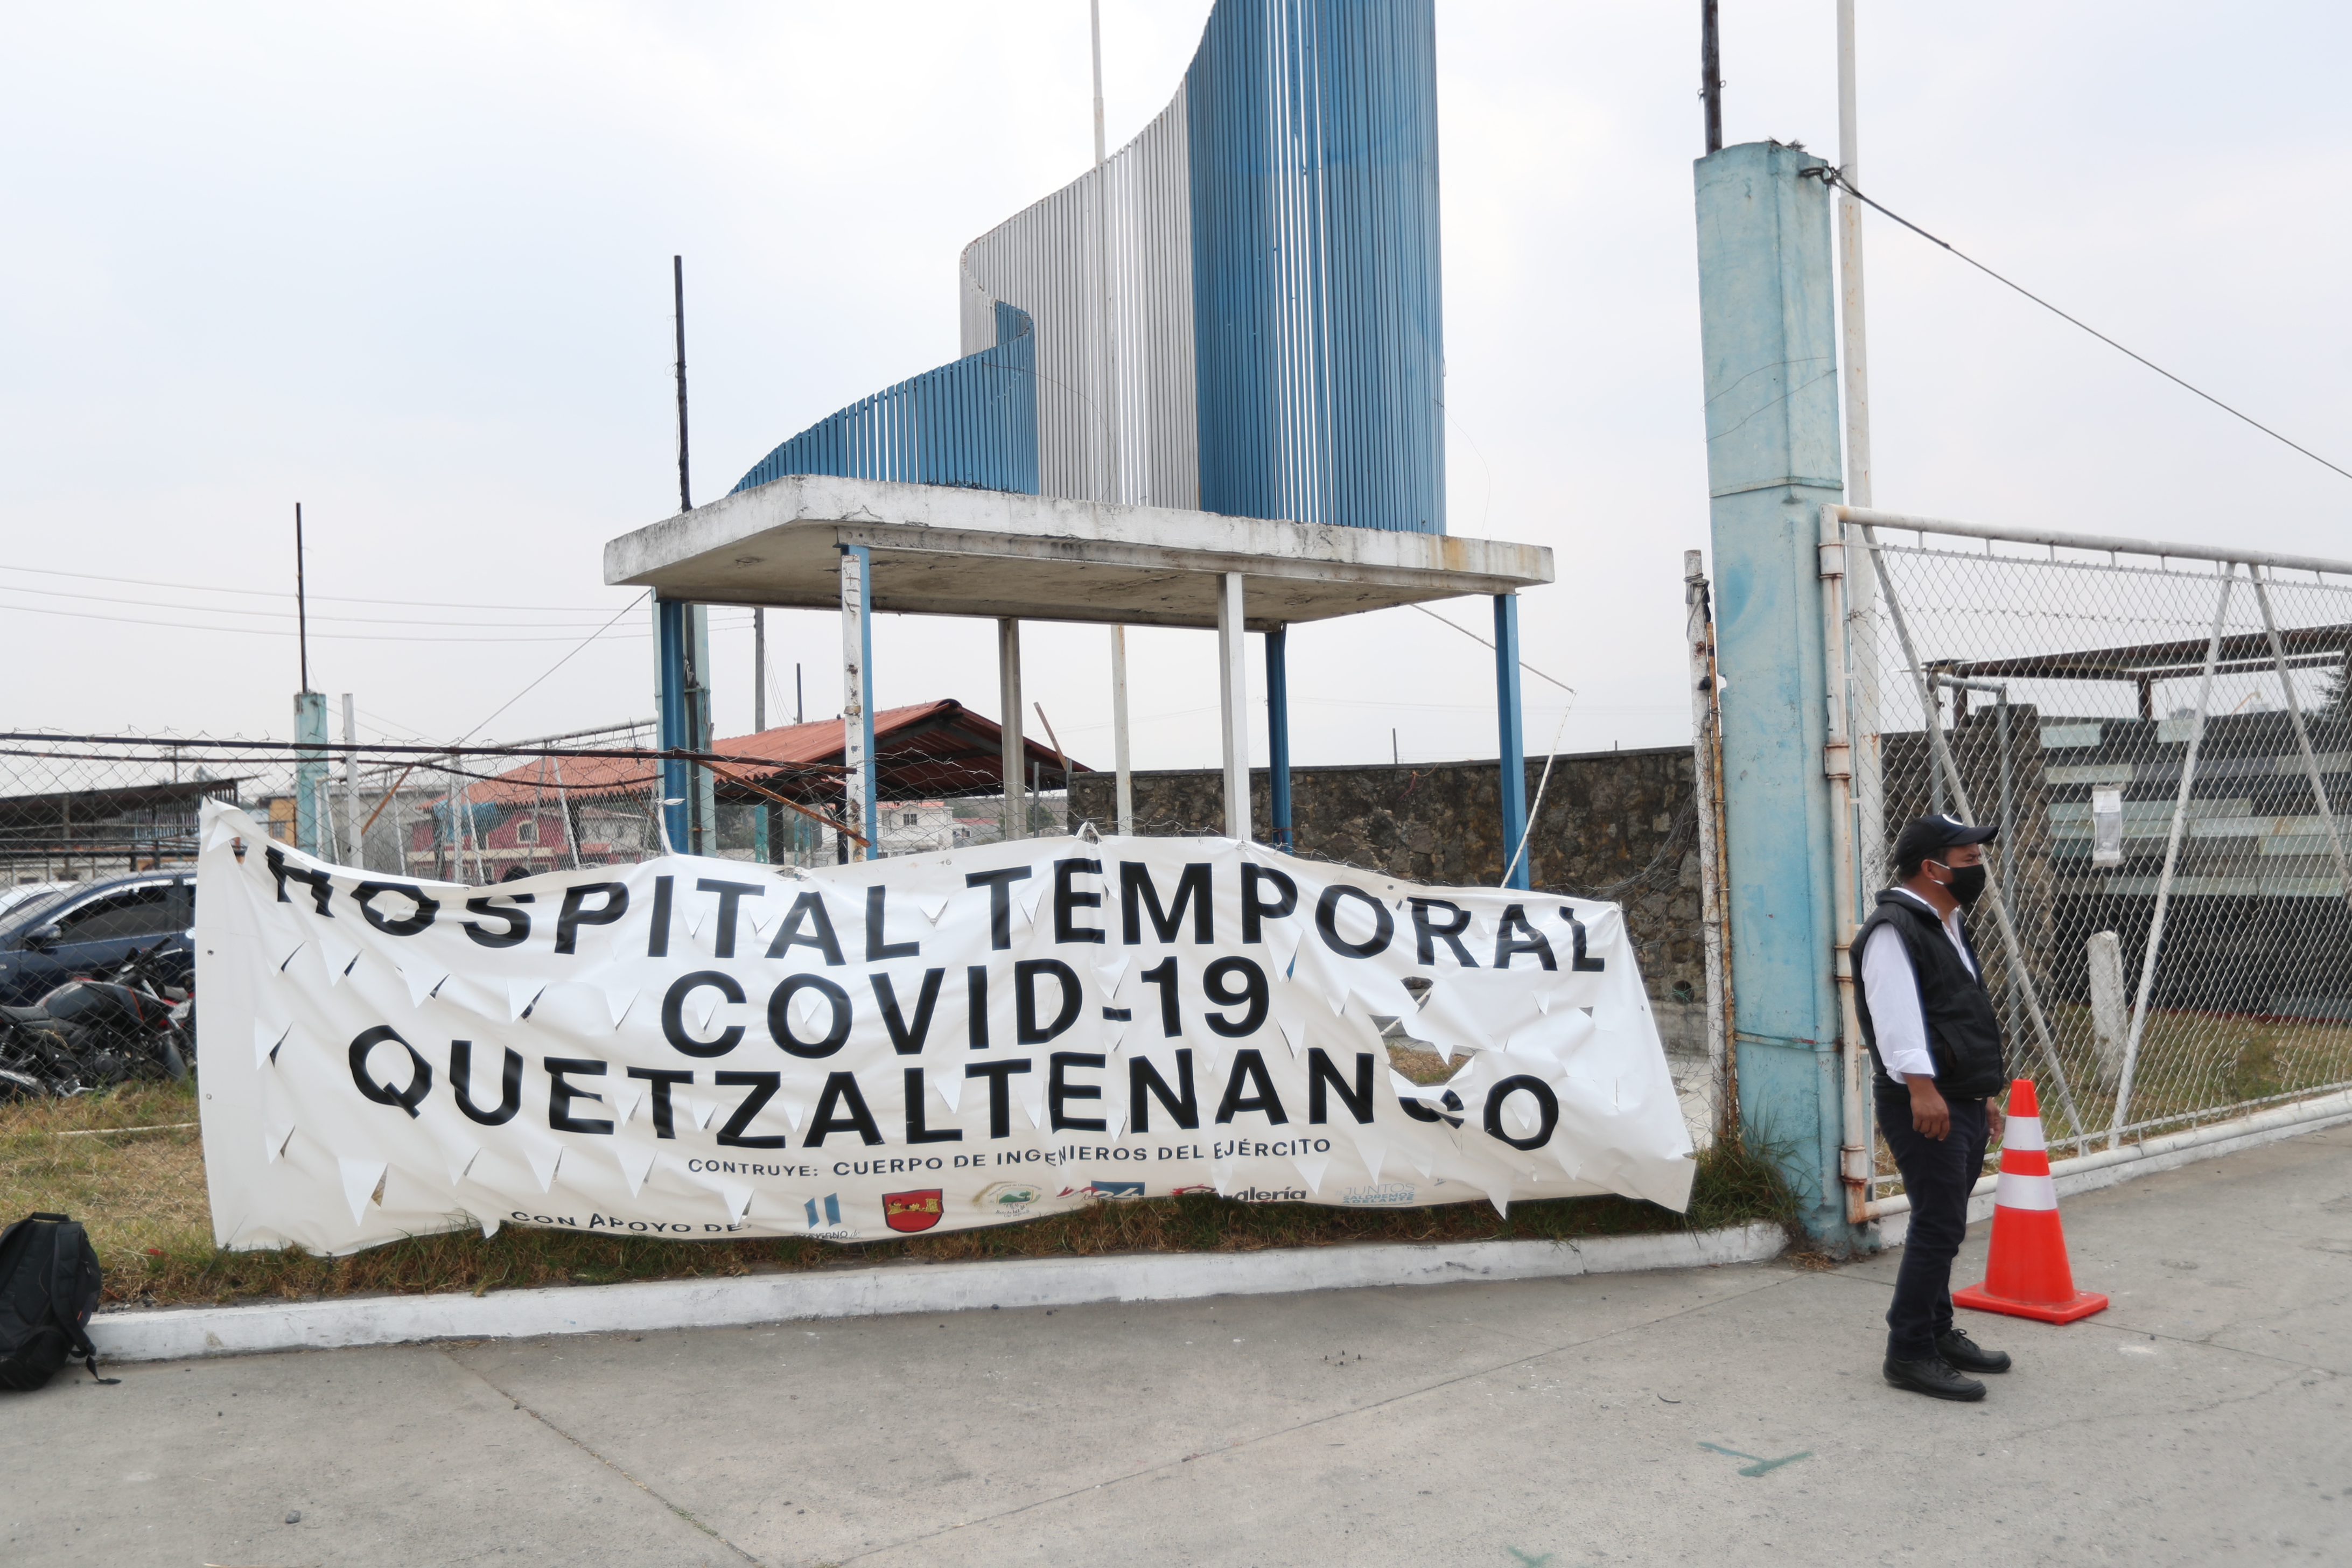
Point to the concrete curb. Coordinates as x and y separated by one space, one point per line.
180 1333
1893 1230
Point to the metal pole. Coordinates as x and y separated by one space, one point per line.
2100 543
564 803
1853 1148
1123 777
1511 735
354 833
2172 839
702 798
1857 360
1710 74
1861 580
1706 754
2302 735
2007 869
800 699
301 601
1277 734
1232 700
678 297
399 830
1011 749
763 815
857 701
1941 759
1936 730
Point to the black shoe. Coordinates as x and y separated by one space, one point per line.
1933 1378
1964 1354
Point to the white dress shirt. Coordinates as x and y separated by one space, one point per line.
1892 989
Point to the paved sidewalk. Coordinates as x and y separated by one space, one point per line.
1728 1416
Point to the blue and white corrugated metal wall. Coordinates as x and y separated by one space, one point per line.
1240 312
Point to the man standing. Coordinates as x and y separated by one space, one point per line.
1936 1045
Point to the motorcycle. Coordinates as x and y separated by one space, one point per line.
93 1032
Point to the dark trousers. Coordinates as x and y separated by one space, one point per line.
1937 1175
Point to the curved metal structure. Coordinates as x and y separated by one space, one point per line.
972 423
1237 312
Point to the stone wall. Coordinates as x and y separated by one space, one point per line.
1616 825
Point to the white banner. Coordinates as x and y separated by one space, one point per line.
700 1047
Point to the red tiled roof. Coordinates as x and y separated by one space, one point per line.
927 750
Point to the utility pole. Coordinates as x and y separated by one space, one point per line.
678 297
309 720
758 669
1710 70
682 648
301 601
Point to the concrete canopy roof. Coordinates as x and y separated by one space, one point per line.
942 551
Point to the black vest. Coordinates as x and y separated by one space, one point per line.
1963 1035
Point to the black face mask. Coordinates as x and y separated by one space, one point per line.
1967 884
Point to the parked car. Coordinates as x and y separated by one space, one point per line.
44 942
21 895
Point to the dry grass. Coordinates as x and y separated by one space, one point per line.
142 1196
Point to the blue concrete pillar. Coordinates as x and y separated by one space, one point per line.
1278 736
673 717
1767 333
1509 722
682 719
310 770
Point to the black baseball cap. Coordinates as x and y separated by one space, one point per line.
1923 835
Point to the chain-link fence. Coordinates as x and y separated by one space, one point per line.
2166 744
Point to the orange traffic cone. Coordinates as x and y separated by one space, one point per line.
2026 1274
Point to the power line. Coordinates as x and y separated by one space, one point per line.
277 594
1830 176
288 615
1481 642
276 631
559 663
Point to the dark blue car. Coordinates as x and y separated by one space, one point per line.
48 940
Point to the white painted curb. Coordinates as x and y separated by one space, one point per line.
179 1333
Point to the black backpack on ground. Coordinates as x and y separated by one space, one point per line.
49 1283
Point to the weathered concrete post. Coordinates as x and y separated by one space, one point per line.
1767 332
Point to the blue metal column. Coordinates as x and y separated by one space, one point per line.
1277 735
1766 332
1509 720
310 770
673 717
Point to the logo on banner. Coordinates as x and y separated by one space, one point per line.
1010 1198
1286 1196
1105 1190
1379 1193
832 1202
917 1210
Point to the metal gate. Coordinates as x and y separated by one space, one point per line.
2164 733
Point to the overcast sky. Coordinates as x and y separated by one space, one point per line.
410 266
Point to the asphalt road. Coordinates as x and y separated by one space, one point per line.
1722 1415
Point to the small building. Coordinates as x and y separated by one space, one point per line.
778 794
